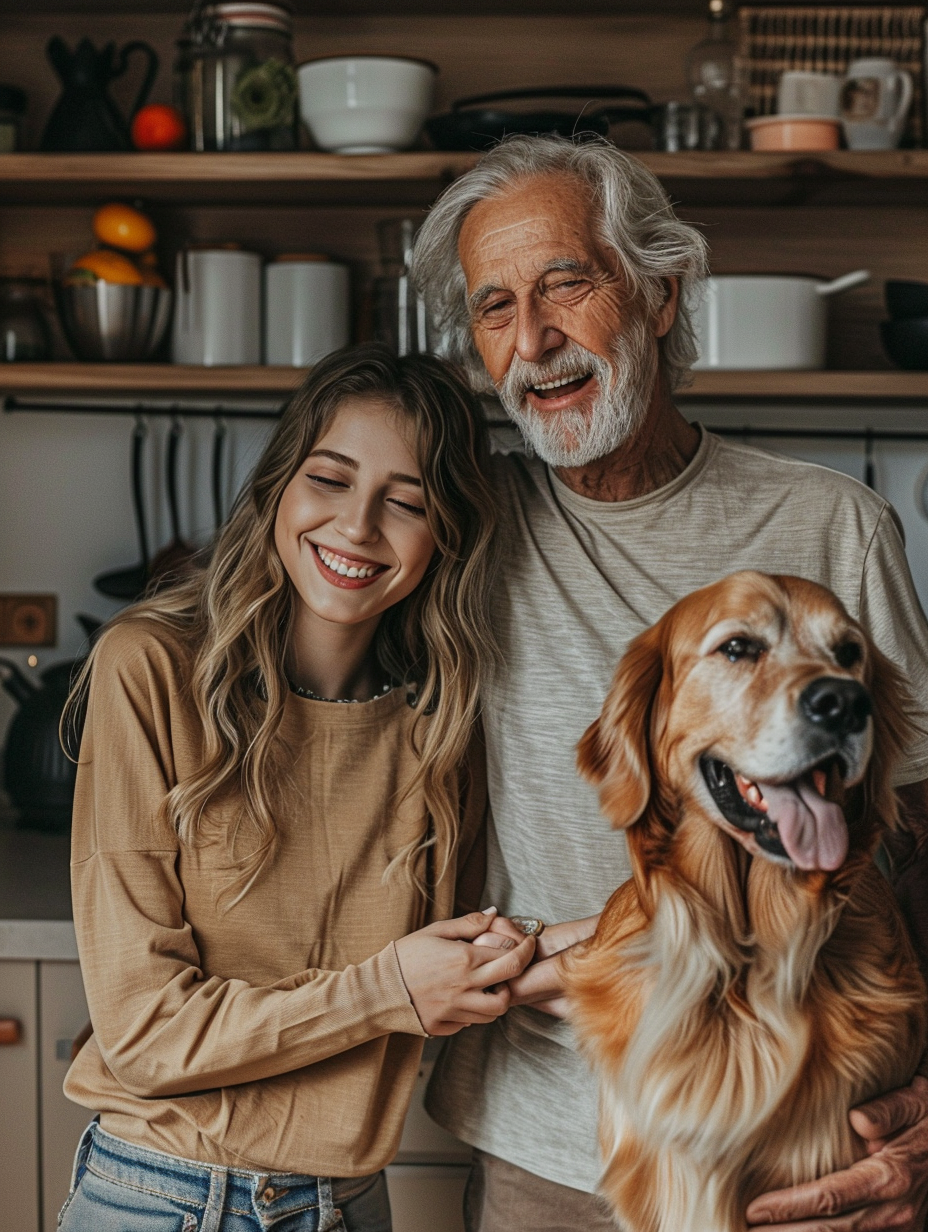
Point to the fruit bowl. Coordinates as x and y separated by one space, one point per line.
111 321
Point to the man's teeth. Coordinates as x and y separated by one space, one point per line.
564 380
339 565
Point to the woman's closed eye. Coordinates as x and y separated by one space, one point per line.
326 481
408 506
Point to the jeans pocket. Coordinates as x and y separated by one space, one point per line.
101 1205
80 1163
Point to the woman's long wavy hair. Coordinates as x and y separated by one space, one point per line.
238 613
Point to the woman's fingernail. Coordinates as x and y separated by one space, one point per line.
489 911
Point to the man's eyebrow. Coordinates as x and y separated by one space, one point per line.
559 265
344 460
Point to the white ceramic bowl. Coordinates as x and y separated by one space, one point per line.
365 104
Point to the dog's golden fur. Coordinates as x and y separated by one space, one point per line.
736 1007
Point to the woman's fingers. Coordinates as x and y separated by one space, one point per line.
462 927
493 967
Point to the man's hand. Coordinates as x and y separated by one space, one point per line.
887 1190
541 984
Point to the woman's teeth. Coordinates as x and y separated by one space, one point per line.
345 568
564 380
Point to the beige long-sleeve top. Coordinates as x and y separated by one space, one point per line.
277 1035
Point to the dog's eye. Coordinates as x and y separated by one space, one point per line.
847 654
741 648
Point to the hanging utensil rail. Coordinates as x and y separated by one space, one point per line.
169 410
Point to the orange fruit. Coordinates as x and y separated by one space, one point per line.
109 267
121 226
159 127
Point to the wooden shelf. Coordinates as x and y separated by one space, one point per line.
889 386
82 380
416 177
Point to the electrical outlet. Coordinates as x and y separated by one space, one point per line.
28 620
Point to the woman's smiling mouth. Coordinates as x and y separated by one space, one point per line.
348 572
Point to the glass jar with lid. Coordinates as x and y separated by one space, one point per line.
234 77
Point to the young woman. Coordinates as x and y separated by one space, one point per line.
278 792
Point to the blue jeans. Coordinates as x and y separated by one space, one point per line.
118 1187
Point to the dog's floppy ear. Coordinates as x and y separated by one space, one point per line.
893 732
613 752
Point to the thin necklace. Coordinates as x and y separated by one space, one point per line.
317 697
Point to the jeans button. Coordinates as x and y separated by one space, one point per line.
269 1194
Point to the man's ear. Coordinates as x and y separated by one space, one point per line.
613 753
667 313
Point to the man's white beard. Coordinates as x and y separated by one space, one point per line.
577 437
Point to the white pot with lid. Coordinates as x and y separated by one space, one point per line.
766 320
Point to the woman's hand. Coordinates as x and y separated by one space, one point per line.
450 981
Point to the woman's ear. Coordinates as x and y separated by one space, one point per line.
613 753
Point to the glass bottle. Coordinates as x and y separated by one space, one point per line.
24 330
235 79
715 74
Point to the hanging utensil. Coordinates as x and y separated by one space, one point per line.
173 561
129 583
219 444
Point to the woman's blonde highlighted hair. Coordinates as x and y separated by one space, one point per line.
238 612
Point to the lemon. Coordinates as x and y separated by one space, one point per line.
108 266
121 226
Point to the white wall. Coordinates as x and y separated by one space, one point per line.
66 507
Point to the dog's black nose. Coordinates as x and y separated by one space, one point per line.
840 706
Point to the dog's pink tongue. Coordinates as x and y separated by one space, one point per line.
812 829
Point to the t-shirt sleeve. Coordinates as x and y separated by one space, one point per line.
162 1024
891 612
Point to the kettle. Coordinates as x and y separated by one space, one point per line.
37 774
85 119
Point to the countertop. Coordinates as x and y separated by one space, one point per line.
35 894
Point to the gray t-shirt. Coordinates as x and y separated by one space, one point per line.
580 579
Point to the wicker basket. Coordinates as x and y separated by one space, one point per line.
775 40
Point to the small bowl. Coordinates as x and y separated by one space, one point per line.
365 104
794 132
906 343
906 299
109 321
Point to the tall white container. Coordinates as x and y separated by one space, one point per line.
306 309
217 318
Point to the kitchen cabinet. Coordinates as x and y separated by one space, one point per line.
19 1087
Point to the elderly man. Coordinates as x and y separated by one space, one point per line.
563 281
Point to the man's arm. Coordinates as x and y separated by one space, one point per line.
888 1189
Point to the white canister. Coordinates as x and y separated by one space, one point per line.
306 309
810 94
217 318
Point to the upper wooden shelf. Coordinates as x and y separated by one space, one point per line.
415 178
156 381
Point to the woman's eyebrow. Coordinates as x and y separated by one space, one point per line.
344 460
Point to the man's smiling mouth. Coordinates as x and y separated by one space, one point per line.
560 387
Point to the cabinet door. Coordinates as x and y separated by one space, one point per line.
19 1130
426 1199
63 1011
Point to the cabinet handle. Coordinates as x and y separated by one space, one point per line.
11 1031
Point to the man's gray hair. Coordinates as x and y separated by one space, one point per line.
636 223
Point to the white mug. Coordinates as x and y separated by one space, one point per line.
810 94
217 317
875 101
305 309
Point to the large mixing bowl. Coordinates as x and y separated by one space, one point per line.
365 104
109 321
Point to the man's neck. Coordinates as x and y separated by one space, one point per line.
663 447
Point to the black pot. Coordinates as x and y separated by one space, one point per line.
37 774
472 126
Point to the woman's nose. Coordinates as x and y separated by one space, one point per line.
357 521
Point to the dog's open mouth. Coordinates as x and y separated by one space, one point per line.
796 820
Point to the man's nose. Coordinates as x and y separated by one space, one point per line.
537 332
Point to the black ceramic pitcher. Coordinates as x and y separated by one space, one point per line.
85 118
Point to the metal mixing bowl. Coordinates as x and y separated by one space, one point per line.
110 321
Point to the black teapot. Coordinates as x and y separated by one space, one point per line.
37 774
85 118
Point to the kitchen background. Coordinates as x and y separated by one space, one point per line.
65 494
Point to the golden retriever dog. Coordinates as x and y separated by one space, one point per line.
753 981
